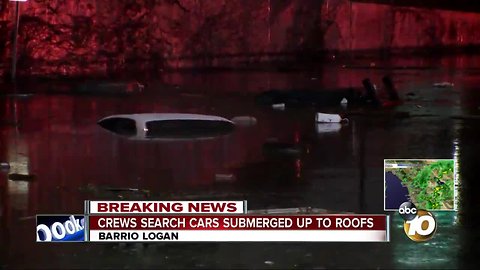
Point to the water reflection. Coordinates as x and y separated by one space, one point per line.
328 128
440 252
17 157
331 167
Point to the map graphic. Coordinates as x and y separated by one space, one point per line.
427 183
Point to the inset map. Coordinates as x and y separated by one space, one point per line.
427 183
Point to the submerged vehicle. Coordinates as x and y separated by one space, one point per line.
167 126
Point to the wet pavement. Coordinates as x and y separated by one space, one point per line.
57 140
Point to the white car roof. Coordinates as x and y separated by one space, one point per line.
142 118
147 117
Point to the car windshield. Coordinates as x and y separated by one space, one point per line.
187 128
120 125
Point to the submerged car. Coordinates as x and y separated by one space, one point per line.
167 126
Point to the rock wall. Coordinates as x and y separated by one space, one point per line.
87 37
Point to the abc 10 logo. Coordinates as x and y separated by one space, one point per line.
419 225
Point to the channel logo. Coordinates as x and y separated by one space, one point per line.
60 228
419 225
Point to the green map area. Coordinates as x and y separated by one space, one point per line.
430 182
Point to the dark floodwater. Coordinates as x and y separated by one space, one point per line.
73 159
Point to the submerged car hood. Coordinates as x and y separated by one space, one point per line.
167 126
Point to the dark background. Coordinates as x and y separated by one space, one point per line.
106 38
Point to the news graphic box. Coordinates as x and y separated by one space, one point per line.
430 184
61 228
239 228
166 207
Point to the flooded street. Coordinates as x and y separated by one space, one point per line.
285 160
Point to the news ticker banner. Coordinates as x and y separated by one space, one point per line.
201 221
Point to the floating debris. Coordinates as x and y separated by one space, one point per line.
269 262
225 178
140 86
21 177
329 118
443 84
245 121
280 106
344 101
4 165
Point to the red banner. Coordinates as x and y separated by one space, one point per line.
238 222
